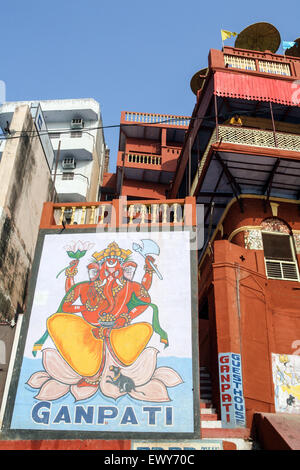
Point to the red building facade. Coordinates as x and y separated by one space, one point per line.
238 156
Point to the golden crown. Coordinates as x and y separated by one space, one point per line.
283 358
112 251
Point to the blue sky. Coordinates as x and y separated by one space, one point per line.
128 55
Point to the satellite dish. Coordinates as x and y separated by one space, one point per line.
259 37
198 80
295 50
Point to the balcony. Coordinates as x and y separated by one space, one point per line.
256 61
71 187
78 144
248 138
152 168
149 127
120 213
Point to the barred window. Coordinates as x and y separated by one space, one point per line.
76 134
54 135
68 175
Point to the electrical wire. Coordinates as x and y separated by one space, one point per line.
35 133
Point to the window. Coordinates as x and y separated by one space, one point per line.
68 175
54 135
280 258
76 134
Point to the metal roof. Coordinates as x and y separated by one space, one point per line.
252 87
229 175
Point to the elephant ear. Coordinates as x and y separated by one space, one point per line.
129 269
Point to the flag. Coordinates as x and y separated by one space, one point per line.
227 34
288 44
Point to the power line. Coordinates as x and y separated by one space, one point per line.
35 133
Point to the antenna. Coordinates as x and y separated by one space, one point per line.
198 80
259 37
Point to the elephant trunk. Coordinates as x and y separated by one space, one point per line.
108 293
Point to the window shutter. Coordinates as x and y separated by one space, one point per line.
279 258
277 247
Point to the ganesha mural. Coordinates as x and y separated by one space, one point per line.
96 343
113 338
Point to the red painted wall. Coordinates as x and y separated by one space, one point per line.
249 313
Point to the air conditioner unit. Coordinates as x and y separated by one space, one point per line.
69 163
77 124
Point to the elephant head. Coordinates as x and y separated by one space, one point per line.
113 273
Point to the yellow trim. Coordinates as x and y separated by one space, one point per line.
233 200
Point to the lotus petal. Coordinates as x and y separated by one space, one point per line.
89 245
82 393
58 368
154 391
168 376
71 246
51 390
143 368
38 379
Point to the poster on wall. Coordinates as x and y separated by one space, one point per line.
286 378
111 341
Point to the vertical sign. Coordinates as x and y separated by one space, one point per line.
41 126
231 390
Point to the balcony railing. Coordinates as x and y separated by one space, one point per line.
249 137
261 62
259 138
266 66
144 159
148 118
120 213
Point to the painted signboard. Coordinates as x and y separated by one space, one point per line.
286 378
111 341
231 390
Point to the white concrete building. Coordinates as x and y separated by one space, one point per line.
74 126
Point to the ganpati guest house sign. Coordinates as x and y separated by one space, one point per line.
109 338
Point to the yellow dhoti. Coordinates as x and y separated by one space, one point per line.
74 339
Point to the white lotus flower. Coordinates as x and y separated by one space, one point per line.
142 380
